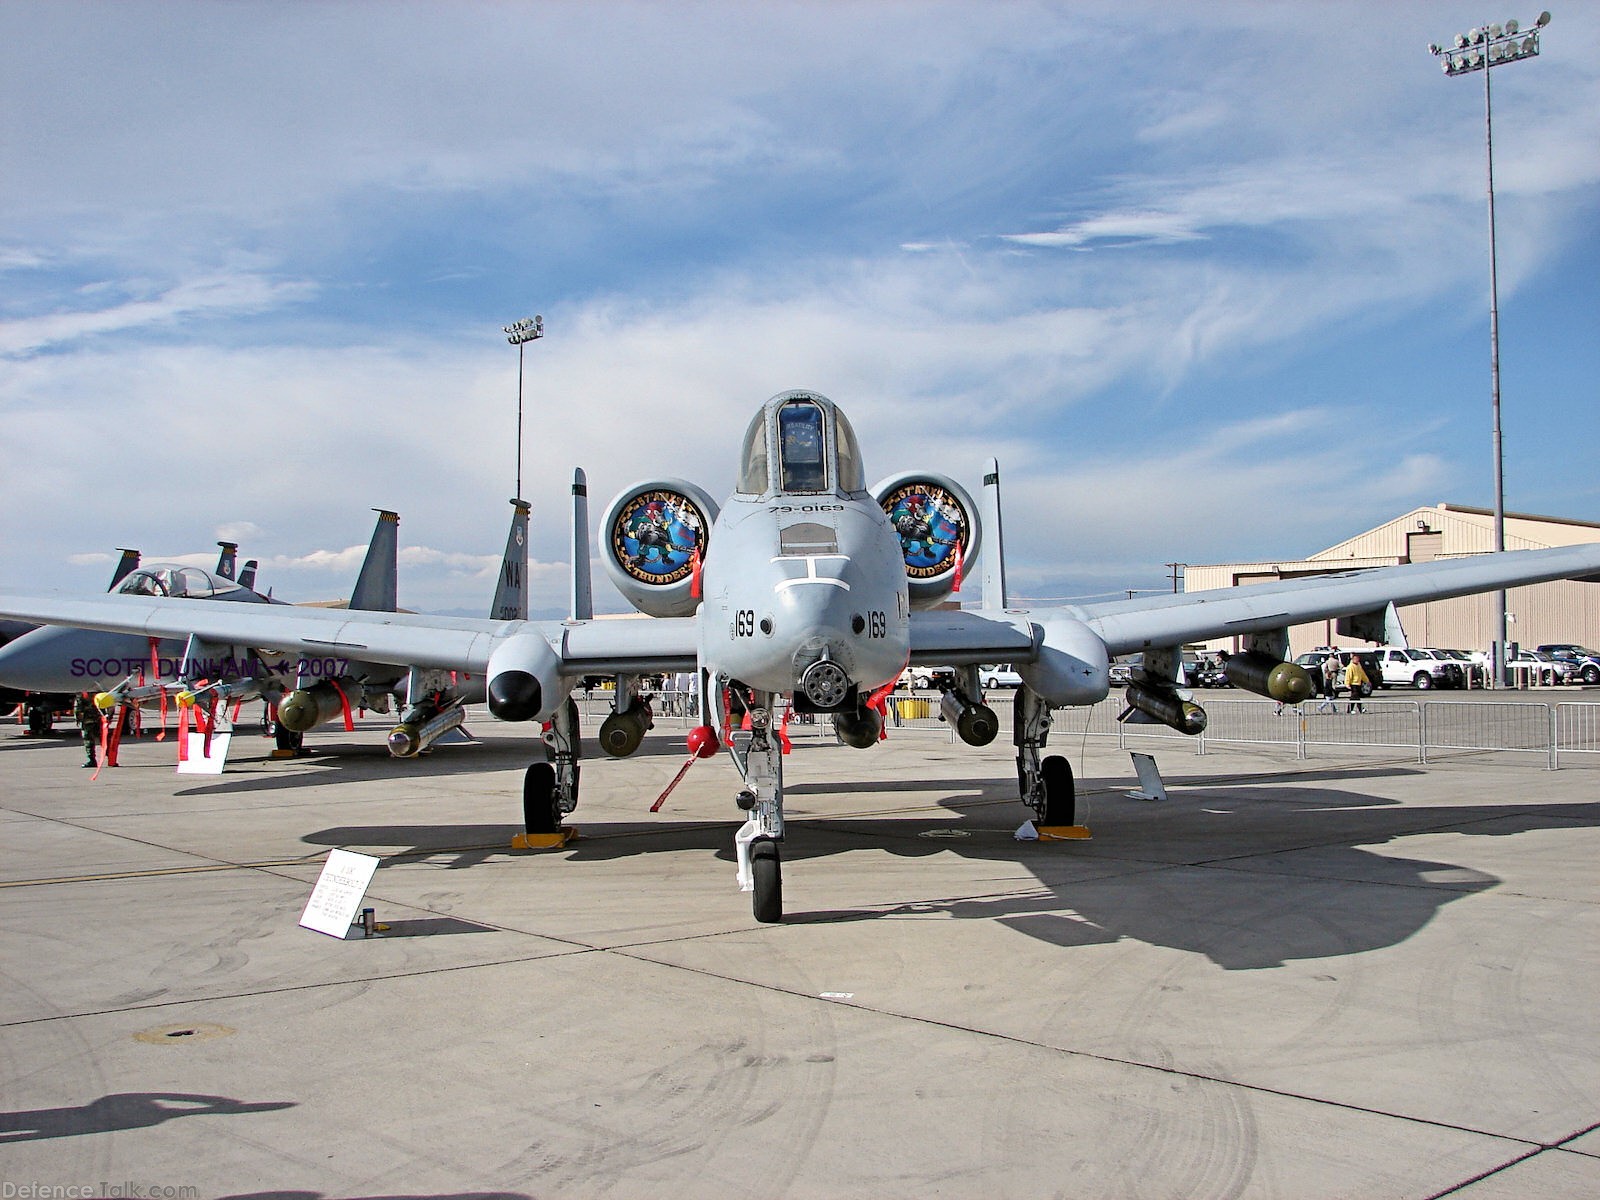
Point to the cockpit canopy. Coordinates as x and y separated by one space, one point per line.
800 443
165 579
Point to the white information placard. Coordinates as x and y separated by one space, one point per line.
337 896
198 762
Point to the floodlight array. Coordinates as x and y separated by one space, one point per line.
1489 46
525 330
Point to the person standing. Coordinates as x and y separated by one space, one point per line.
88 717
1330 684
1355 678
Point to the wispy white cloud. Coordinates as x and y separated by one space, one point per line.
225 295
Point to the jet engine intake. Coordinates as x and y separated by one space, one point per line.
1166 706
524 679
1285 682
976 724
652 541
939 531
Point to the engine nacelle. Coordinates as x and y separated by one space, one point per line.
524 679
1264 675
940 535
652 540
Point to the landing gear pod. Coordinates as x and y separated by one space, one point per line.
940 534
653 540
524 679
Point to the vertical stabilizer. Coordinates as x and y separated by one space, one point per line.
247 577
511 592
582 583
378 587
226 560
129 560
994 560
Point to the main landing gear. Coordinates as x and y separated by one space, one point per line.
1047 786
759 757
550 788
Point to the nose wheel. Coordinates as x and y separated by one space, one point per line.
766 899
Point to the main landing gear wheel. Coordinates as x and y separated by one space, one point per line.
287 739
1060 793
540 813
767 899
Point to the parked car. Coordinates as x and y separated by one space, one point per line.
1474 666
1586 661
1121 673
1205 669
1312 661
1455 673
998 677
1544 668
922 679
1415 668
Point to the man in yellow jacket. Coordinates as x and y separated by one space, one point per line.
1355 678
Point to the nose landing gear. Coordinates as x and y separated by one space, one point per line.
759 758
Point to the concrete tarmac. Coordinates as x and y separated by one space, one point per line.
1343 977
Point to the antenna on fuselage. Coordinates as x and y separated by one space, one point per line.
994 564
582 585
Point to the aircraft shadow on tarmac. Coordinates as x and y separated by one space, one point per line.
126 1110
333 760
1251 874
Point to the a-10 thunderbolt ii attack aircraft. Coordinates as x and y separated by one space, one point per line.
303 690
810 588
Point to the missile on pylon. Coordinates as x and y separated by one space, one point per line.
421 726
1285 682
1167 706
975 723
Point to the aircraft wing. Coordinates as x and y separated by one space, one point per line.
1140 624
402 639
1125 626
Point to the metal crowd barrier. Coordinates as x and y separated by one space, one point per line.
1564 733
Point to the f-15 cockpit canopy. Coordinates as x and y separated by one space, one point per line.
800 443
167 579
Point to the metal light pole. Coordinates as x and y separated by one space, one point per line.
519 335
1482 49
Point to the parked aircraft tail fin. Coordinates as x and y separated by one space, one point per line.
378 587
129 560
247 577
582 582
511 592
226 560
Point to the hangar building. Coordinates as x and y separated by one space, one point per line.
1562 611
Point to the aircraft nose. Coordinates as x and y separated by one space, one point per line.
54 659
25 663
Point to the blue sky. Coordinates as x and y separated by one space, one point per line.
1209 280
